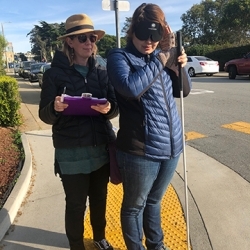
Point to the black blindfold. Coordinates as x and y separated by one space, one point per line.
145 30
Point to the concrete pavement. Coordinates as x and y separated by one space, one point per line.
219 202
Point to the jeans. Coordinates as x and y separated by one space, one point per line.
77 187
145 181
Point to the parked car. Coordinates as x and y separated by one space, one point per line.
16 68
101 61
239 66
34 69
201 65
25 69
41 71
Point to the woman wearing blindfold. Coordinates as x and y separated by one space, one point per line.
80 141
149 140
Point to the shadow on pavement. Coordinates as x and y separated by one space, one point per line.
26 235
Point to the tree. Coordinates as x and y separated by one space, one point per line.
235 24
105 44
108 42
200 23
217 22
23 57
3 44
44 39
127 23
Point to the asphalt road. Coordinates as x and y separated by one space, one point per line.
214 102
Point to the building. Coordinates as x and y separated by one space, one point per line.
19 56
8 55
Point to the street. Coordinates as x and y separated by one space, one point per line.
218 109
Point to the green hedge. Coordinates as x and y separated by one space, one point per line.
220 53
10 102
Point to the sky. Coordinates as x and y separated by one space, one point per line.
18 18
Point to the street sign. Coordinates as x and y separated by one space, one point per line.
110 5
117 6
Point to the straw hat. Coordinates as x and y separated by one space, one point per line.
79 24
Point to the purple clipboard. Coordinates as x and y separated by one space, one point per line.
81 105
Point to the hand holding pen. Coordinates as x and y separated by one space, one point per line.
59 106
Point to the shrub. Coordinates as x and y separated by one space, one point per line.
10 102
2 70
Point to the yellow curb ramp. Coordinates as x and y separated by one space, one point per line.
172 215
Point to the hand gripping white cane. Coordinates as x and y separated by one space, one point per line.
179 50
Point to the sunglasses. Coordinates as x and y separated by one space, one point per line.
83 38
149 30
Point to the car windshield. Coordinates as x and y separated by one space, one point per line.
101 61
45 67
27 64
35 66
203 58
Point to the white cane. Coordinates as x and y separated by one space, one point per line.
179 49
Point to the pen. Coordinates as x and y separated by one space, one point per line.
62 95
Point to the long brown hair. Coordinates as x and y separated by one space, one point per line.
146 12
69 52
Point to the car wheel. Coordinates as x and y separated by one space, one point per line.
209 74
232 72
191 72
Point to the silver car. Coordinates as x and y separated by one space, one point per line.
16 68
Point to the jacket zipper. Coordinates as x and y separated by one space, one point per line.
170 117
91 120
85 81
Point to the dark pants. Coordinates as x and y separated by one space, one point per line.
77 187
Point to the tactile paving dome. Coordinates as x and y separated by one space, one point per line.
173 221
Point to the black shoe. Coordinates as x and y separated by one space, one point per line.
103 244
164 248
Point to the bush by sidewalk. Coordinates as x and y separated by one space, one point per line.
9 102
11 151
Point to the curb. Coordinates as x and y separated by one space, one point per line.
198 235
14 201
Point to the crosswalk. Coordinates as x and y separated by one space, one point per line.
243 127
240 126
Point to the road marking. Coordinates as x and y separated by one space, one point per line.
243 127
200 91
192 135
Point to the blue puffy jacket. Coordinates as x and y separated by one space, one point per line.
149 121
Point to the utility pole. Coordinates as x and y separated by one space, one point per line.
118 41
117 6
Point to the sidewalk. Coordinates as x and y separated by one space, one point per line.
219 202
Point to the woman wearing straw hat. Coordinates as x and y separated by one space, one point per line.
81 158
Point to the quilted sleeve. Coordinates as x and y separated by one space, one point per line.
131 78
